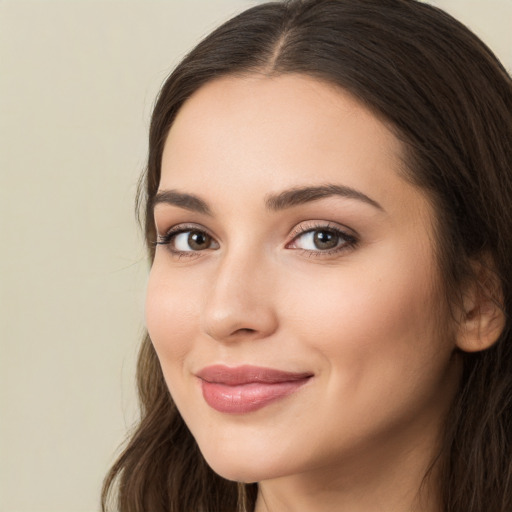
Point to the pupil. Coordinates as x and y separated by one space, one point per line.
325 240
198 240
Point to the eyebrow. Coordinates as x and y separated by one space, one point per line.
275 202
182 200
301 195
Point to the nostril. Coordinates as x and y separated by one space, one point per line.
244 331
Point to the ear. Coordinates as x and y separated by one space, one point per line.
482 316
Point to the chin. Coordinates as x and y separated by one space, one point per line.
247 469
235 471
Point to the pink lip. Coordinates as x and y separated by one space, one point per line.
244 389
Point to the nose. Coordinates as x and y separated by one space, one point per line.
240 303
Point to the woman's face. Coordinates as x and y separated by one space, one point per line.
294 301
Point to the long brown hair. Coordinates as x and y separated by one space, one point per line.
449 101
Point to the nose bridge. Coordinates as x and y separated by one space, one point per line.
239 300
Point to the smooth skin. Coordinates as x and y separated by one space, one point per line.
344 286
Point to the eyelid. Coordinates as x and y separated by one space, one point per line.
167 238
312 225
181 228
349 237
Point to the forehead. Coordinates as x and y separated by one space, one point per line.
285 110
264 134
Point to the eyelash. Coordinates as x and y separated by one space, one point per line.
171 234
347 241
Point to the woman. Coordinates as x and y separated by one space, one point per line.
328 214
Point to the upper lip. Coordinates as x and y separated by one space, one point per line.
246 374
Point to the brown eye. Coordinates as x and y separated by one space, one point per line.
196 241
188 241
319 240
323 239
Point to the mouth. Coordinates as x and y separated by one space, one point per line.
244 389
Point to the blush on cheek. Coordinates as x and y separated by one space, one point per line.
167 322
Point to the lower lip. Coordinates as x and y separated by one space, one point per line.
246 398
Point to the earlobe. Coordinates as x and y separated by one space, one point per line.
482 317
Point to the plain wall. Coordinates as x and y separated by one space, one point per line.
77 82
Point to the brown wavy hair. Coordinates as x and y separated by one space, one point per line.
449 101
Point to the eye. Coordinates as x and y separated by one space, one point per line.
322 239
182 239
192 241
319 240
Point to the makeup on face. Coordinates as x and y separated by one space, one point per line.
293 295
244 389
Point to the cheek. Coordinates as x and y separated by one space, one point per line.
171 314
372 324
375 338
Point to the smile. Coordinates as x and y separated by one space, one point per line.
245 389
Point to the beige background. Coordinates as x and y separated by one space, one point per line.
77 81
